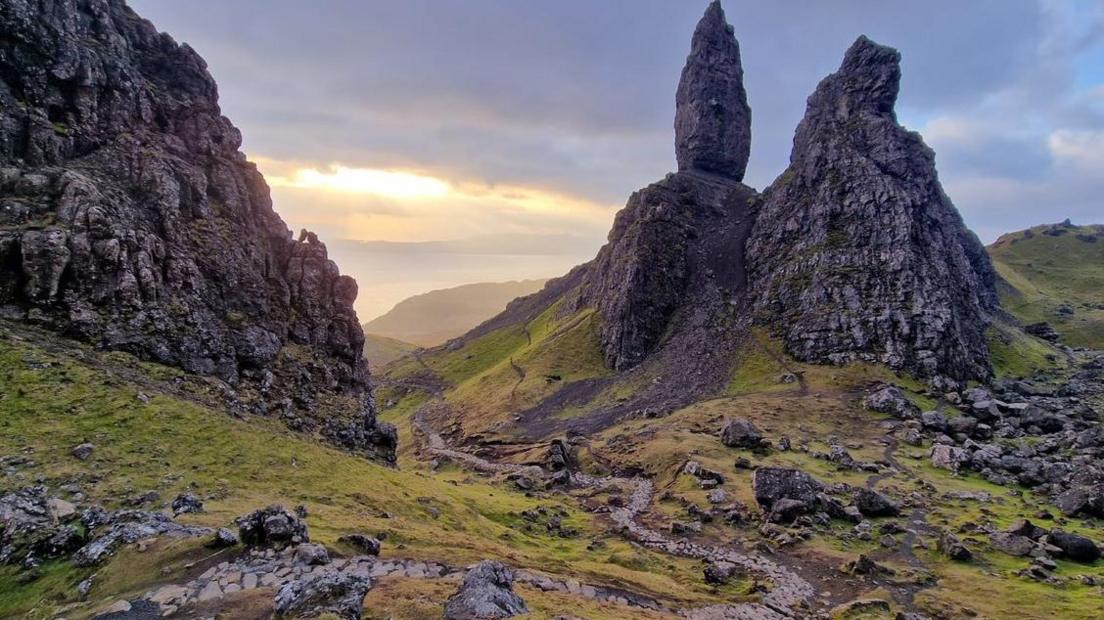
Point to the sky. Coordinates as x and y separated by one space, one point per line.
433 143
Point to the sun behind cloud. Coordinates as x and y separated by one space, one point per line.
386 183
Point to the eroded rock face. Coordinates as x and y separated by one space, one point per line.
675 236
857 254
131 220
712 117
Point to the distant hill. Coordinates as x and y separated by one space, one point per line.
1055 273
432 318
381 350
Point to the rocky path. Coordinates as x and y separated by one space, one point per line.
903 594
269 569
788 598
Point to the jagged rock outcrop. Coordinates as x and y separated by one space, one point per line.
685 233
857 254
130 219
712 117
682 233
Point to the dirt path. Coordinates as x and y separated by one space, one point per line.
904 594
788 598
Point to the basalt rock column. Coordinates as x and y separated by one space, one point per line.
857 254
712 117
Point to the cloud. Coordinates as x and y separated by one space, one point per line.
364 204
1082 150
542 117
486 245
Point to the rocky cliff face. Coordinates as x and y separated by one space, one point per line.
712 117
676 236
675 239
857 254
130 219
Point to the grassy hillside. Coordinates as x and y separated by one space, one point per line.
55 394
820 409
1055 273
491 378
432 318
381 350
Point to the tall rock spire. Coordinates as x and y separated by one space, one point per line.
856 253
712 117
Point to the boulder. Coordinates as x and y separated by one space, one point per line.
741 433
873 504
311 554
841 457
1012 544
128 527
772 484
486 593
1043 330
364 544
340 594
948 457
561 456
1082 500
223 538
953 548
864 565
720 573
272 527
30 528
1027 529
83 451
891 399
1074 547
934 421
186 503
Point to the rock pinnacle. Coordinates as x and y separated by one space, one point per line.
712 117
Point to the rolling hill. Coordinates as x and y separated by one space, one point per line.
381 350
432 318
1055 273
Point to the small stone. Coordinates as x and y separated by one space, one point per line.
83 451
209 592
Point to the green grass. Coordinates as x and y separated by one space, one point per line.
53 399
1045 272
1015 354
485 376
381 350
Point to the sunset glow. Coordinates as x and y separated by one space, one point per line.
387 183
